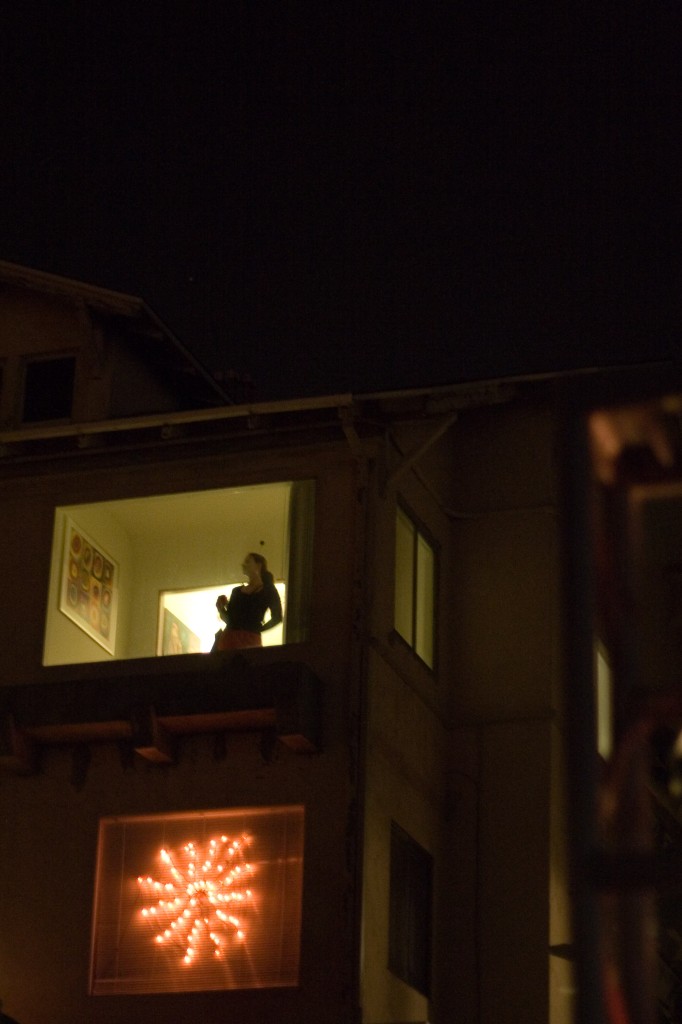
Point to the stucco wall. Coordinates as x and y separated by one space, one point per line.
47 842
465 755
405 783
48 847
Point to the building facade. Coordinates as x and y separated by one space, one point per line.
385 770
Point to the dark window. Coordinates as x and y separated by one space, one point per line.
409 943
48 389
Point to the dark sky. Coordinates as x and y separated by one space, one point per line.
366 196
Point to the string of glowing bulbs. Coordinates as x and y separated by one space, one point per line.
200 893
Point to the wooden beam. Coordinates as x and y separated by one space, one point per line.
297 711
17 751
414 456
150 738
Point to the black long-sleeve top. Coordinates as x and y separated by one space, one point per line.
247 610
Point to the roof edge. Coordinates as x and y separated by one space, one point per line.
104 299
55 284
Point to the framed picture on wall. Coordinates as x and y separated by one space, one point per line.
88 594
176 637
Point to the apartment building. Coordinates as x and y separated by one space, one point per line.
360 821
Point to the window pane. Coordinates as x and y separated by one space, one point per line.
188 620
198 901
48 389
409 941
425 599
179 544
604 704
404 576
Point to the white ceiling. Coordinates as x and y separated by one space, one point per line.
179 515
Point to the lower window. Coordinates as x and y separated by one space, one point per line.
409 943
198 901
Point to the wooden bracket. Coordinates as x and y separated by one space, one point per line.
17 751
149 737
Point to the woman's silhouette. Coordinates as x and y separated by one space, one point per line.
244 612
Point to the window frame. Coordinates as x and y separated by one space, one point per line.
410 935
268 897
67 642
419 532
603 699
43 358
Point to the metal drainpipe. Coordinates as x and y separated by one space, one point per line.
365 502
578 586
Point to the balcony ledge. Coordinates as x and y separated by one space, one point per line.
155 702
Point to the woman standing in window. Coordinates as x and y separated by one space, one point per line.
244 612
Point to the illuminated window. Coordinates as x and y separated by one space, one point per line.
187 619
604 701
198 901
409 946
165 559
415 586
48 389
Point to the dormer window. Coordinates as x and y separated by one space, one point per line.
48 389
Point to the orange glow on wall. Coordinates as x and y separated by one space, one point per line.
198 901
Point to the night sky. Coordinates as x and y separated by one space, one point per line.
357 196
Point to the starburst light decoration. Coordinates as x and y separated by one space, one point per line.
198 902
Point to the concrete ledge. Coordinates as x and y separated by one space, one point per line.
150 710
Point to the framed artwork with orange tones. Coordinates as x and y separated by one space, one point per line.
176 637
88 593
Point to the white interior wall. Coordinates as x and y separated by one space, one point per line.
65 642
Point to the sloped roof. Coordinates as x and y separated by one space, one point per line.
113 303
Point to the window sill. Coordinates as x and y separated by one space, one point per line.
407 653
151 702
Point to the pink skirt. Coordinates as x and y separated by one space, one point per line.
234 639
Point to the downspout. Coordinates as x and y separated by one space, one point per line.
358 705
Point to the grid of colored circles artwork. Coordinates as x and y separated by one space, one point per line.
90 586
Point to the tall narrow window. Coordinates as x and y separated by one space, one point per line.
409 945
48 389
415 584
604 700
